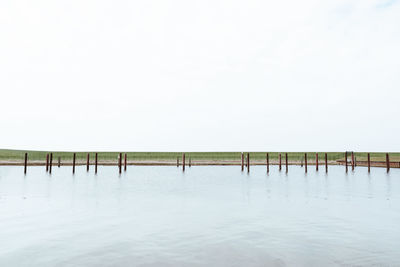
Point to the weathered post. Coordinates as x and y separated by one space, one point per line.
280 162
51 162
242 158
316 161
87 162
345 160
301 163
59 162
73 163
125 162
369 162
352 160
248 162
120 162
25 162
387 162
305 162
183 162
286 162
95 163
267 163
326 162
177 162
190 162
47 162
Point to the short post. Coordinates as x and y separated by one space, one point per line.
120 162
95 163
183 161
326 162
305 162
87 162
125 159
301 163
177 162
248 162
352 160
242 158
369 162
190 162
51 162
286 162
47 162
25 162
73 163
387 162
280 162
59 162
267 163
345 160
316 161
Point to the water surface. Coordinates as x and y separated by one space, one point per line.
207 216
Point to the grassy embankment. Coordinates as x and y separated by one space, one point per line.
18 156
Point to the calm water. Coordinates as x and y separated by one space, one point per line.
208 216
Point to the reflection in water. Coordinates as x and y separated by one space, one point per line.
207 216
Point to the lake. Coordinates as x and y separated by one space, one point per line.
207 216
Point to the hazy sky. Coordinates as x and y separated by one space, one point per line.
216 75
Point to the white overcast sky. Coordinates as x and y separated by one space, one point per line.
209 75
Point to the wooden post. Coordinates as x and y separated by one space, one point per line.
190 162
125 159
352 160
305 162
387 162
326 162
286 162
59 162
120 162
301 163
177 161
345 160
248 162
87 162
51 162
242 158
183 162
280 162
267 163
316 161
25 162
95 163
73 163
47 162
369 162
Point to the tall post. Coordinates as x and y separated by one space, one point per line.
267 163
120 162
387 162
87 162
51 162
316 161
326 162
95 163
183 161
242 159
125 159
280 162
25 162
286 162
73 163
352 160
59 162
305 162
369 162
345 160
248 162
47 162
